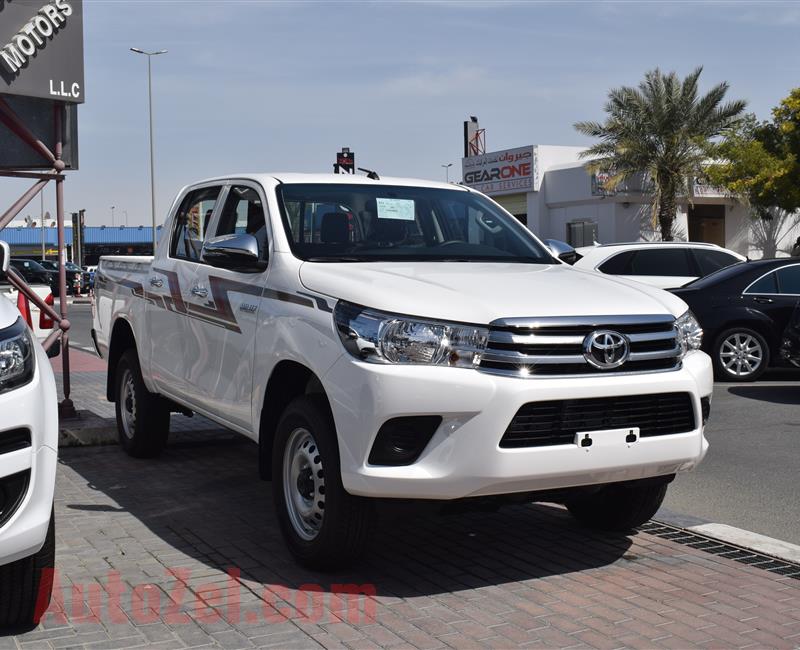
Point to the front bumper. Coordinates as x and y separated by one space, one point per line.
464 458
33 406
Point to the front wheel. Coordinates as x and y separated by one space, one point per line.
620 506
740 354
324 526
142 416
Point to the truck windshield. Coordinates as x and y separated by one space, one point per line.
370 223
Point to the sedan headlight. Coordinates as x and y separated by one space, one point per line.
16 356
690 334
379 337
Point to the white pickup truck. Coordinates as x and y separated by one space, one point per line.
399 339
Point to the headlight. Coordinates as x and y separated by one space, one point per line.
379 337
16 356
690 334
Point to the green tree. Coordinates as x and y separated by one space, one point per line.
663 130
760 161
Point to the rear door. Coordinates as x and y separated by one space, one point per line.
223 308
172 342
776 294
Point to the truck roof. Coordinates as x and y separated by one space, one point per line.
356 179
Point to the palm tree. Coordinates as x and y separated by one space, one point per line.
662 130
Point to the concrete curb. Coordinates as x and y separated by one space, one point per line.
87 430
749 540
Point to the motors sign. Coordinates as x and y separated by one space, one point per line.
41 49
500 172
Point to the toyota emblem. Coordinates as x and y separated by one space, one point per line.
606 349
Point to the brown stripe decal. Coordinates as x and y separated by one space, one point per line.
218 311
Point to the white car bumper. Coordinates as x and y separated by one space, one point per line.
32 407
464 457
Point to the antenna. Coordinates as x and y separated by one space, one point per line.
370 174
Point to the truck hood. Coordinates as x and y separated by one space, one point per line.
482 292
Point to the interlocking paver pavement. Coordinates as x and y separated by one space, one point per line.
184 551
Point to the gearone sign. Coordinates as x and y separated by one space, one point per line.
509 171
41 49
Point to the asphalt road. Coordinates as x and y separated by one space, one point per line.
751 475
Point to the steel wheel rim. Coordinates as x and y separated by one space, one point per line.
304 484
128 404
741 354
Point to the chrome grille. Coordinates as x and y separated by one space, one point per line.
553 346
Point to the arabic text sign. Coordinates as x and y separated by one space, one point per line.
500 172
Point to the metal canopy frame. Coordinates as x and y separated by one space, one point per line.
51 159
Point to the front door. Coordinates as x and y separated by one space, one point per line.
167 291
223 313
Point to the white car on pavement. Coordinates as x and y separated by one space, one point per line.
399 339
666 265
28 458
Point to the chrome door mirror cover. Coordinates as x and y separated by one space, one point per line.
5 257
237 252
562 250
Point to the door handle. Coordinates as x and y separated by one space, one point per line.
156 282
199 291
763 301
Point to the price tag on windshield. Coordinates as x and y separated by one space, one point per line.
401 209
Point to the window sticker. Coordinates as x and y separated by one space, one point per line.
401 209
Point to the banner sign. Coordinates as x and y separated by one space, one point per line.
599 180
500 172
41 49
346 160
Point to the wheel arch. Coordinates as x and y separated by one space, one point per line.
289 379
122 338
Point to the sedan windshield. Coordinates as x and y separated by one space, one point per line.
370 223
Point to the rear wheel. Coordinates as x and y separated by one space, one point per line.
324 526
142 416
740 354
619 507
25 585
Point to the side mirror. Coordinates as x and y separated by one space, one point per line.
562 250
237 252
5 257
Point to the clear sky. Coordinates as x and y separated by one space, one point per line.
281 86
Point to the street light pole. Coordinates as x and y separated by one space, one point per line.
150 55
112 215
447 171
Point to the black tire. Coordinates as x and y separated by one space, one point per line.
26 585
620 506
142 416
721 373
344 525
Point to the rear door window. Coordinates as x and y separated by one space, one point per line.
191 221
709 261
789 280
672 262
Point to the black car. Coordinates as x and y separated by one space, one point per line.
75 279
790 347
745 310
34 273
